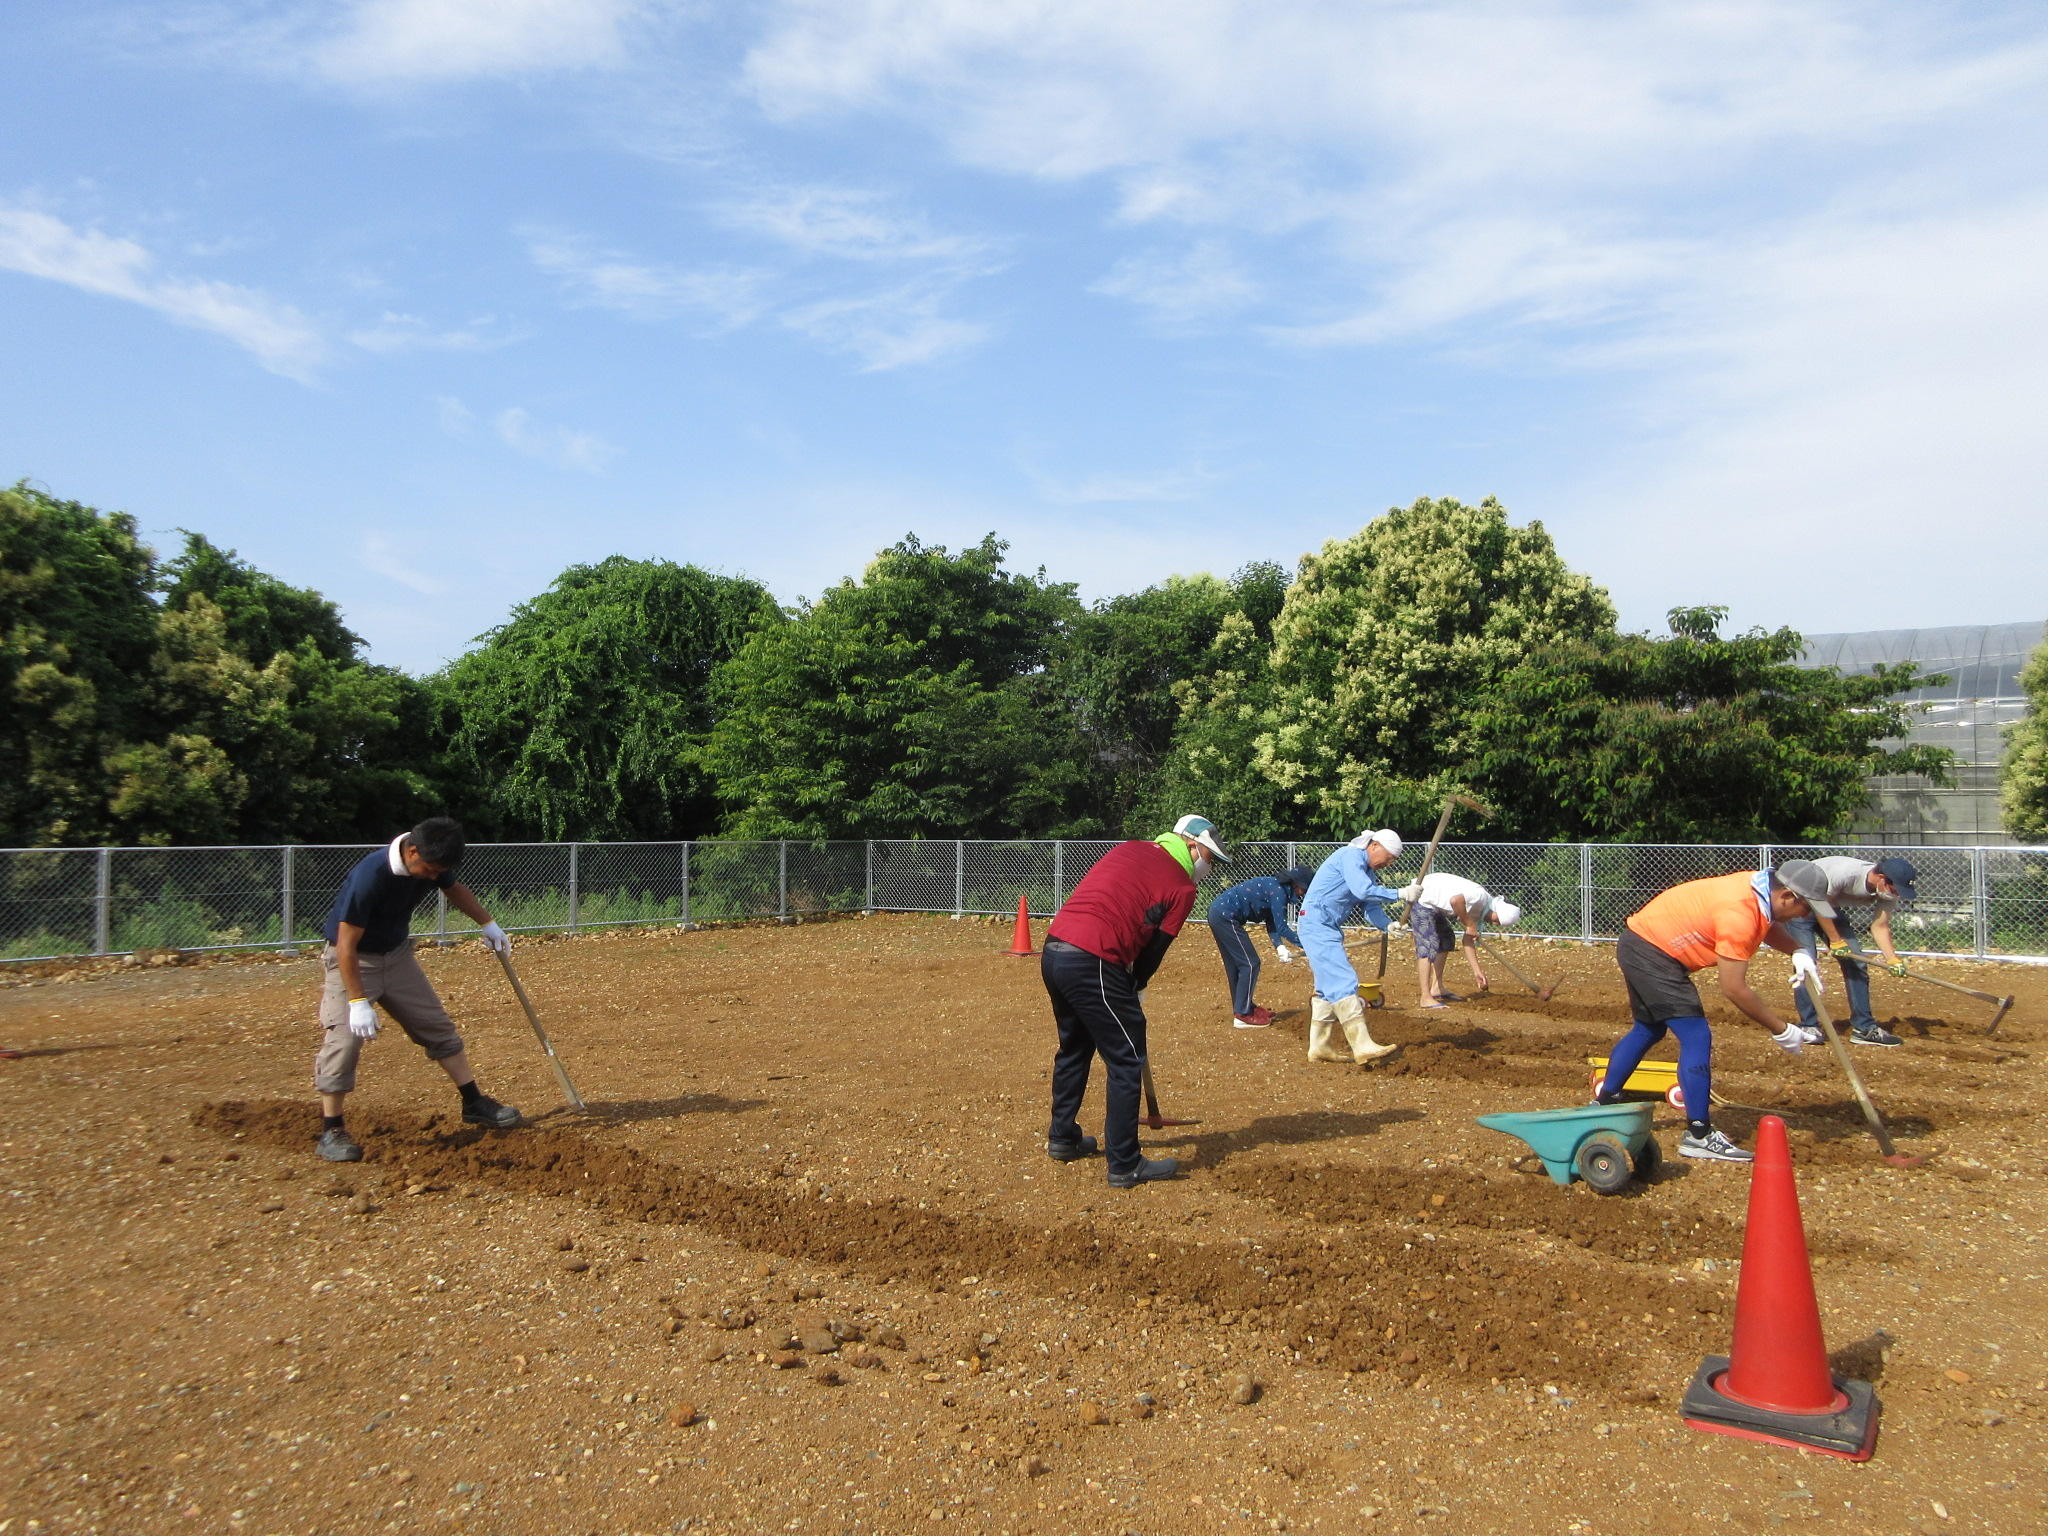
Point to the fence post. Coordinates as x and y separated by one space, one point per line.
102 915
1586 892
686 884
1059 874
440 919
1980 903
575 897
869 844
959 876
287 899
782 878
1763 855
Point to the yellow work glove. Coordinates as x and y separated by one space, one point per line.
1841 952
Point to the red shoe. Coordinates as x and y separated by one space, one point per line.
1250 1020
1263 1015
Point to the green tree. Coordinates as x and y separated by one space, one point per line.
77 630
1208 770
1386 647
261 614
585 714
913 702
1692 738
2025 775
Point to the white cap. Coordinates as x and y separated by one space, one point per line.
1199 829
1386 837
1506 913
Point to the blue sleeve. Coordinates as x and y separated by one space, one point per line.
1276 917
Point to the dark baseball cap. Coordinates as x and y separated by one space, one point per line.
1901 873
1300 876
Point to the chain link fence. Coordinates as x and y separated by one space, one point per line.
61 903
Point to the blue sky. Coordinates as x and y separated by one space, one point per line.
419 301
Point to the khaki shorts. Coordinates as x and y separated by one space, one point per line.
396 981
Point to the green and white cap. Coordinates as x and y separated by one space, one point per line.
1199 829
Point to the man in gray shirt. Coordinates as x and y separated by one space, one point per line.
1860 895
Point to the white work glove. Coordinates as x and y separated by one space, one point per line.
1793 1038
1411 890
1803 969
362 1019
497 938
1283 954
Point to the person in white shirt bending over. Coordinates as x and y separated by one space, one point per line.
1435 902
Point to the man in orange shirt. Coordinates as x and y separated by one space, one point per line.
1719 922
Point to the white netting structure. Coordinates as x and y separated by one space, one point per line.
1967 715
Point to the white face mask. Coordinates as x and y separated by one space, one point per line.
1202 866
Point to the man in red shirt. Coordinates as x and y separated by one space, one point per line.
1103 946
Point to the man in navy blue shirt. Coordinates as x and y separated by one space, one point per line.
1263 900
369 960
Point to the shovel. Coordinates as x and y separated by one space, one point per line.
2003 1003
1153 1119
1543 994
561 1073
1890 1153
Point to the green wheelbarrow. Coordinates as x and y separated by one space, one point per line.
1604 1144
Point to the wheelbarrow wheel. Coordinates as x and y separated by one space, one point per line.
1675 1097
1649 1160
1603 1163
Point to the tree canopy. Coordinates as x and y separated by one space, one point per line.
1386 646
1689 738
912 702
939 694
585 715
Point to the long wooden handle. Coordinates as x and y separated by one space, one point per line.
1513 969
1936 981
561 1073
1151 1096
1429 856
1827 1026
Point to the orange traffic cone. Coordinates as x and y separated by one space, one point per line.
1020 941
1774 1385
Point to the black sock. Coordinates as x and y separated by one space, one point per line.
469 1091
330 1122
1700 1130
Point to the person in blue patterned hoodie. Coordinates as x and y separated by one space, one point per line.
1263 900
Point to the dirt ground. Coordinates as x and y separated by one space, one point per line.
804 1265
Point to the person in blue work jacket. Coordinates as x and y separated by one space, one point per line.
1344 884
1263 900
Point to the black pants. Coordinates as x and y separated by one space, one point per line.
1240 962
1096 1008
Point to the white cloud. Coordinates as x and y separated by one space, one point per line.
851 223
400 42
1182 288
382 558
894 327
897 328
564 447
728 296
456 418
38 244
394 333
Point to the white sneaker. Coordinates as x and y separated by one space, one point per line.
1714 1146
1810 1033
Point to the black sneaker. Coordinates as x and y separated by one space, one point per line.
485 1110
1148 1170
1874 1034
1070 1151
337 1146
